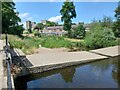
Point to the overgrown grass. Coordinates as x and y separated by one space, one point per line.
29 44
55 42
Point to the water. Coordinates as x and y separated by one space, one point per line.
100 74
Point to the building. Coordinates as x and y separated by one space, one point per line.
30 25
58 30
54 30
33 24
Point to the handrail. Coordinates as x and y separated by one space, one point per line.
9 81
8 63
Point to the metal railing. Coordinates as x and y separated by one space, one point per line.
8 63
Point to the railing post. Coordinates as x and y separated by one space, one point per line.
6 39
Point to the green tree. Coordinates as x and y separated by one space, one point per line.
10 19
79 32
49 23
39 26
99 37
106 22
116 25
68 12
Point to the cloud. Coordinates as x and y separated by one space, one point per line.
24 15
30 18
55 19
27 16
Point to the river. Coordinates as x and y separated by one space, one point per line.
99 74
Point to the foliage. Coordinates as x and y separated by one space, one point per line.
37 33
107 22
28 48
55 42
116 28
68 12
10 19
117 11
39 26
34 42
49 23
25 32
99 37
79 32
116 25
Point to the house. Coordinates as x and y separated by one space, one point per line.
58 30
54 30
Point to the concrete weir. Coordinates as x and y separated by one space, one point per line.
41 62
51 61
110 51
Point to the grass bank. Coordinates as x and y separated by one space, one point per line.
29 45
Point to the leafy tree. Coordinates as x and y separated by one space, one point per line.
10 19
99 37
68 12
39 26
49 23
106 22
79 32
116 25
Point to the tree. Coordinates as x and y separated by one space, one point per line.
116 25
10 19
79 32
99 37
39 26
106 22
68 12
49 23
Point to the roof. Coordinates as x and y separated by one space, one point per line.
61 27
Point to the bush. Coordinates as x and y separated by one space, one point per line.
25 32
37 34
99 37
79 32
116 28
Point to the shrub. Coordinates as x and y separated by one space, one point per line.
79 32
116 28
99 37
25 32
37 34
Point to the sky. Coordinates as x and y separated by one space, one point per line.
86 11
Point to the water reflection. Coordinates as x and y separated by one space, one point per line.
101 74
116 70
68 74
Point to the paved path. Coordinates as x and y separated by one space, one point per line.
1 44
1 62
110 51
